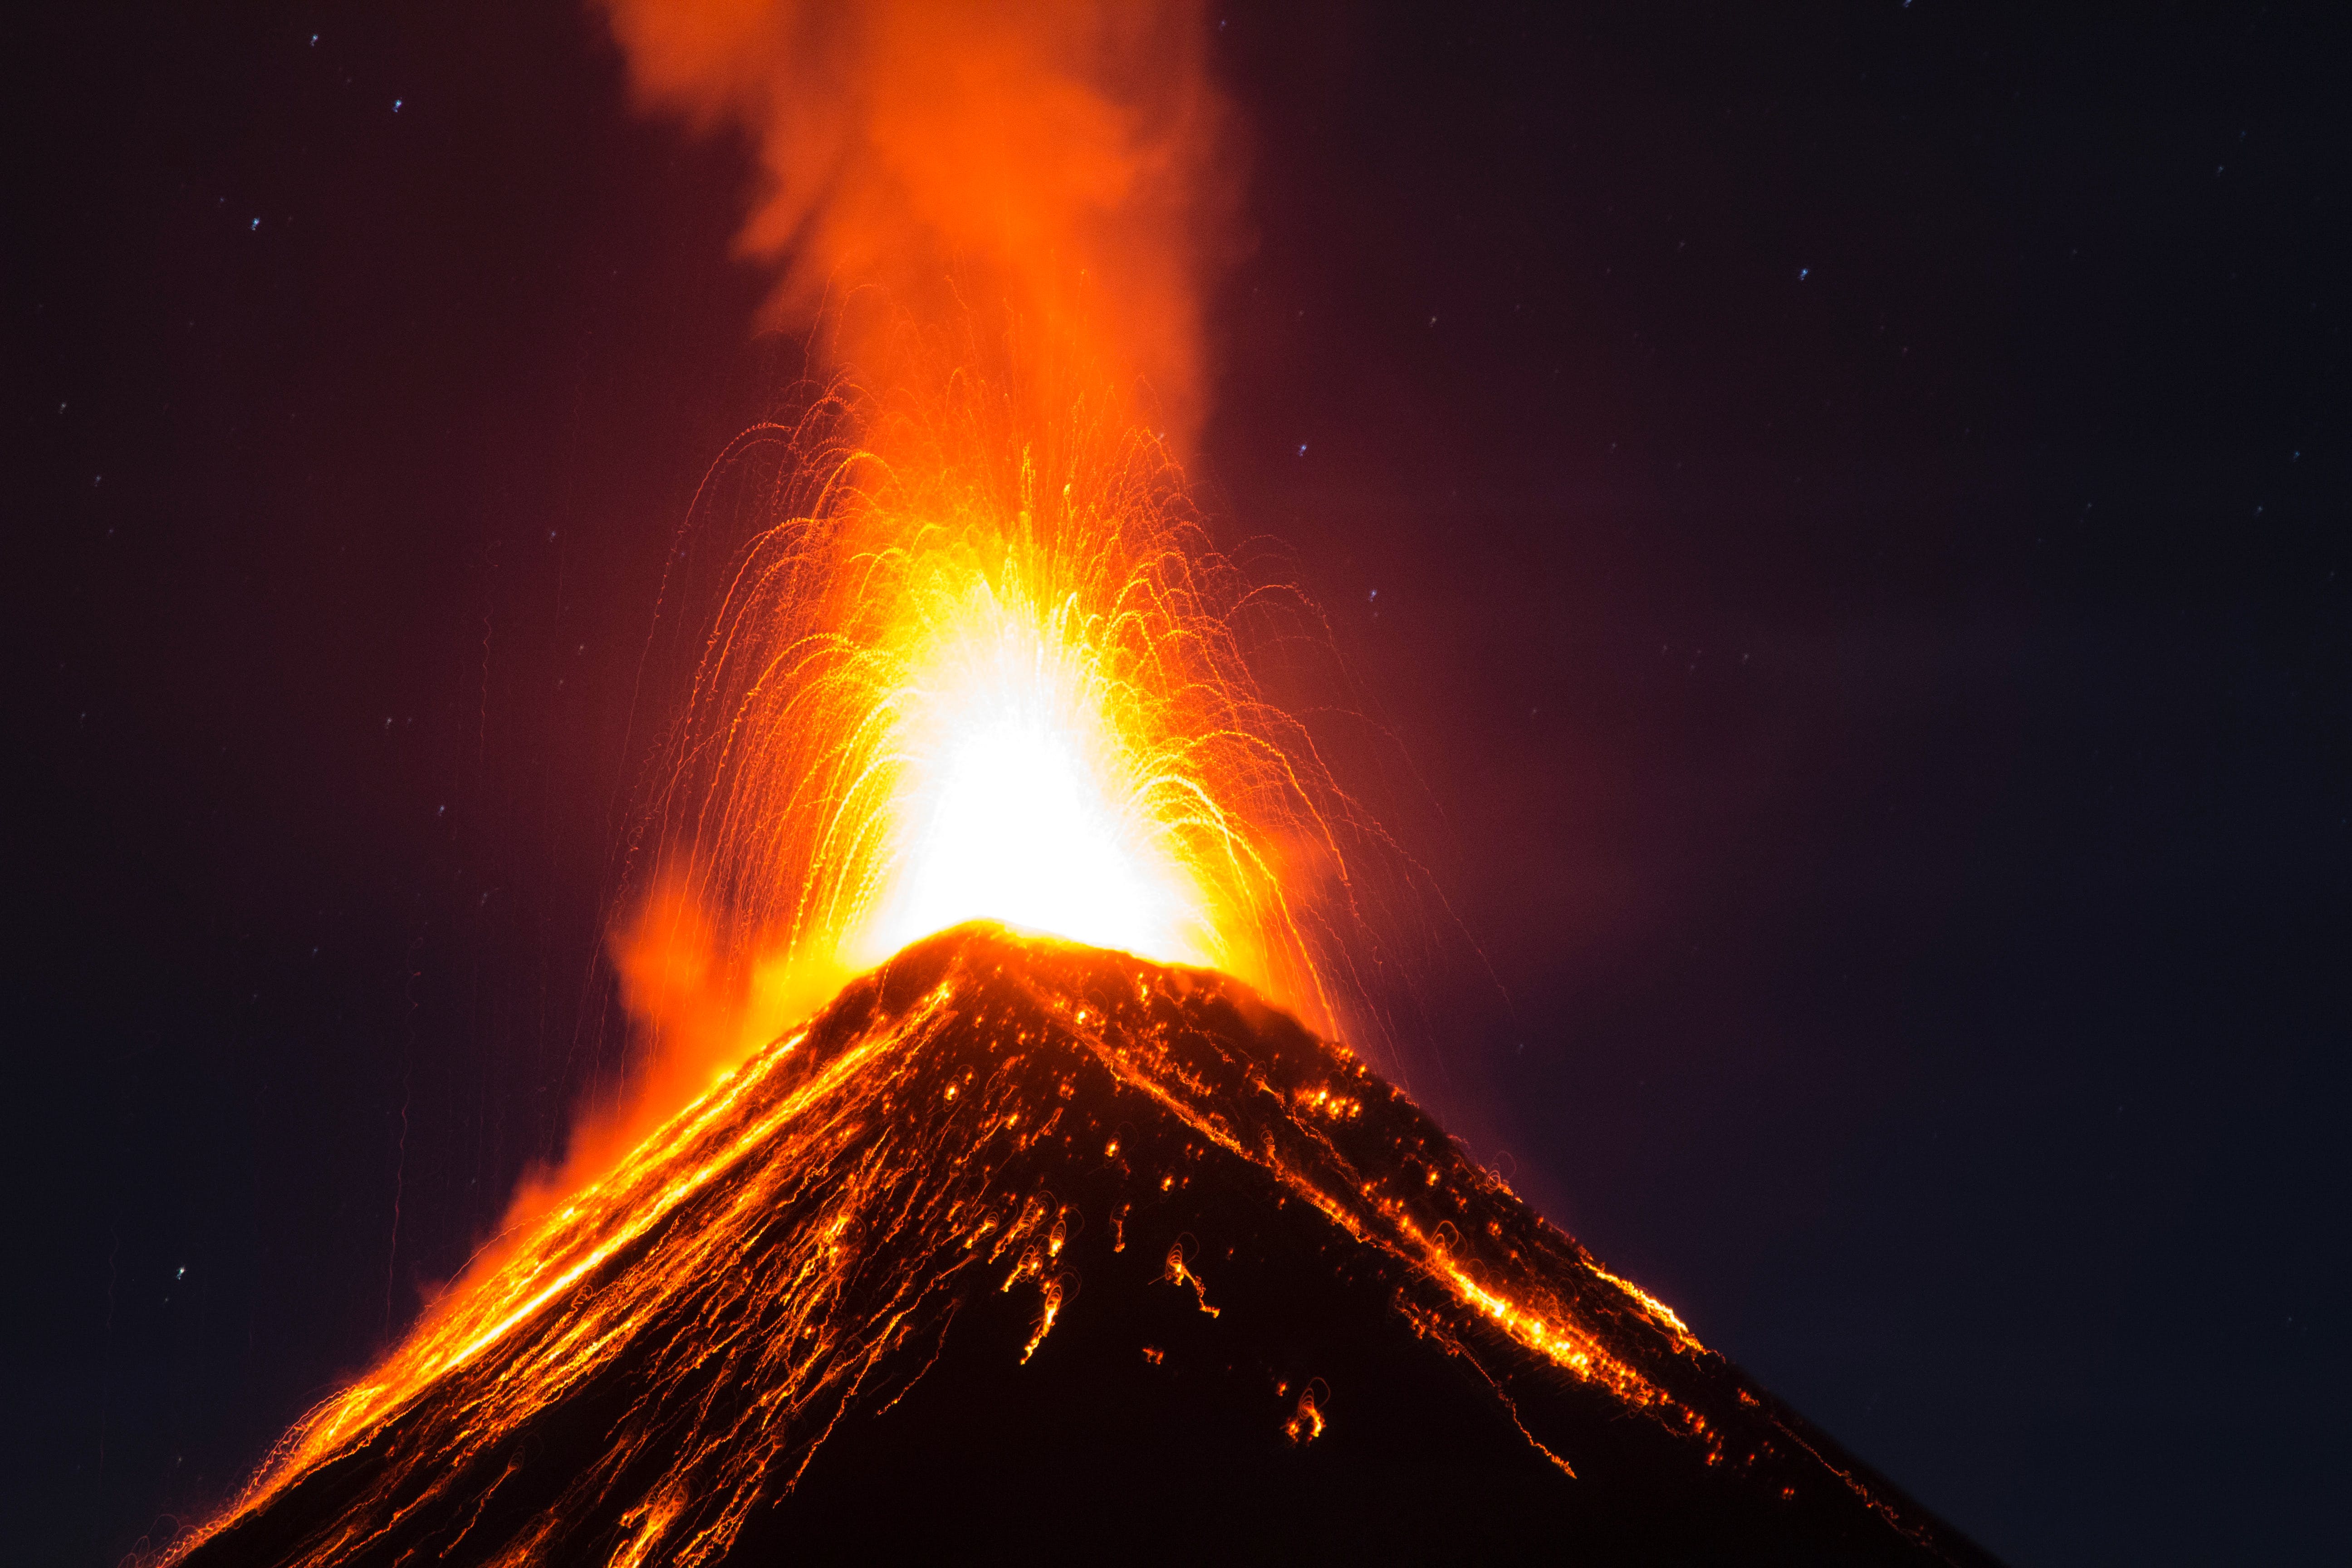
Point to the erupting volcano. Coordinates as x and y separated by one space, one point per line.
1025 1246
1017 1244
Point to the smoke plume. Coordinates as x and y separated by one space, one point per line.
1051 182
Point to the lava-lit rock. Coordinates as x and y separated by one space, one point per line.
1026 1246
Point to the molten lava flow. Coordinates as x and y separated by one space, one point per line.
959 647
971 656
1074 1134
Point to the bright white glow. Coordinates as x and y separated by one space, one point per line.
1016 803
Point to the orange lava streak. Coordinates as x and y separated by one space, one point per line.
971 656
823 1209
971 653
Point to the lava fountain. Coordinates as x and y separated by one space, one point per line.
976 657
973 660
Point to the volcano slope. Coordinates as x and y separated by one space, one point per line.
1027 1247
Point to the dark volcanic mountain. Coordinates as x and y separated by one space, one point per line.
1022 1247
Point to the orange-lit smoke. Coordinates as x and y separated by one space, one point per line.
969 653
1064 167
971 656
700 1002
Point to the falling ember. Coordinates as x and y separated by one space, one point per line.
1306 1422
987 678
985 673
974 656
1177 1274
1035 719
973 660
1019 799
811 1250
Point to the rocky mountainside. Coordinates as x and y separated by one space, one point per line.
1024 1246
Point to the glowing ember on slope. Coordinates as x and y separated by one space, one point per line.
971 653
974 658
654 1370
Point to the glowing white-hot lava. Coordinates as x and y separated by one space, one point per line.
973 657
982 677
1017 800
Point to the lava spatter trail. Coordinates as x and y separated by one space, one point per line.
1036 1247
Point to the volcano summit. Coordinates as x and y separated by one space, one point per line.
1021 1246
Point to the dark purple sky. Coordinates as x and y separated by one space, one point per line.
1841 515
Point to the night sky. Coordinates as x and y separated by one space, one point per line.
1834 523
